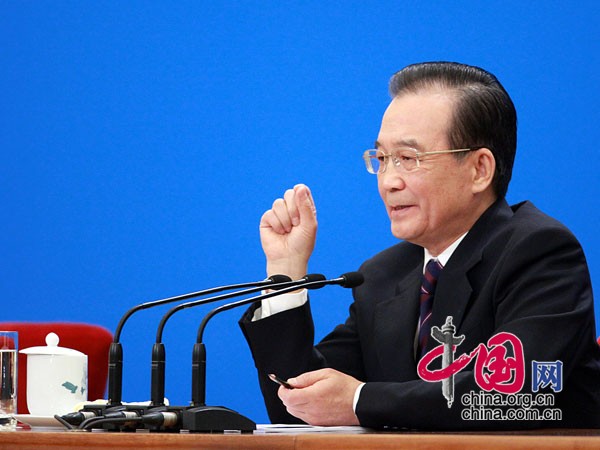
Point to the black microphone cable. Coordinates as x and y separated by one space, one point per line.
113 417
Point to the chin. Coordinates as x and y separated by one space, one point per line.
405 234
401 234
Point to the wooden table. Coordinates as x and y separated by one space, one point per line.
547 439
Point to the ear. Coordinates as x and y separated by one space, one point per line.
484 167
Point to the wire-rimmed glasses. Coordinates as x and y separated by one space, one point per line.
408 159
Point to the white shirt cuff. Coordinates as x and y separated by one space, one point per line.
357 396
279 303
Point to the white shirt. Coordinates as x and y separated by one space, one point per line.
443 257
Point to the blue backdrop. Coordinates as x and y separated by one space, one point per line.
142 141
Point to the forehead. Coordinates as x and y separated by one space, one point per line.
417 120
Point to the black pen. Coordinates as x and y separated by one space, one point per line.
278 380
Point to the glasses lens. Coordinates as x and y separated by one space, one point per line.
372 161
408 160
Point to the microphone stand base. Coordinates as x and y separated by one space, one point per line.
215 419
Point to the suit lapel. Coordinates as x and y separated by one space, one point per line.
454 291
396 321
451 298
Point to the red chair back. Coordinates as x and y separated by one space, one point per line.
93 340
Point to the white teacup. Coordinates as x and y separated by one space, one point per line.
56 378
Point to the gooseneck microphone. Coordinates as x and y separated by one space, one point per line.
198 417
157 381
115 354
312 281
202 418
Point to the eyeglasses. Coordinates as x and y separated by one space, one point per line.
408 159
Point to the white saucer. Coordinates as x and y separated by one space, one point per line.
40 423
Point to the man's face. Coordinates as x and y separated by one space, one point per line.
433 205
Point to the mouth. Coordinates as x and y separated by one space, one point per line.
398 211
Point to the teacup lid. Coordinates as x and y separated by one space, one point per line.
51 348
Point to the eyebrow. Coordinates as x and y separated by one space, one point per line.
412 143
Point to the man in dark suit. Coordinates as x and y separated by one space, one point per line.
509 286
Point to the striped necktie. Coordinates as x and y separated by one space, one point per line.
430 277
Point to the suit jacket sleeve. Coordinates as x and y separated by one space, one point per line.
284 344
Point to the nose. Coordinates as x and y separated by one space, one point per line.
391 179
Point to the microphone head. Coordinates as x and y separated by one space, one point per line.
352 279
275 279
314 278
311 277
